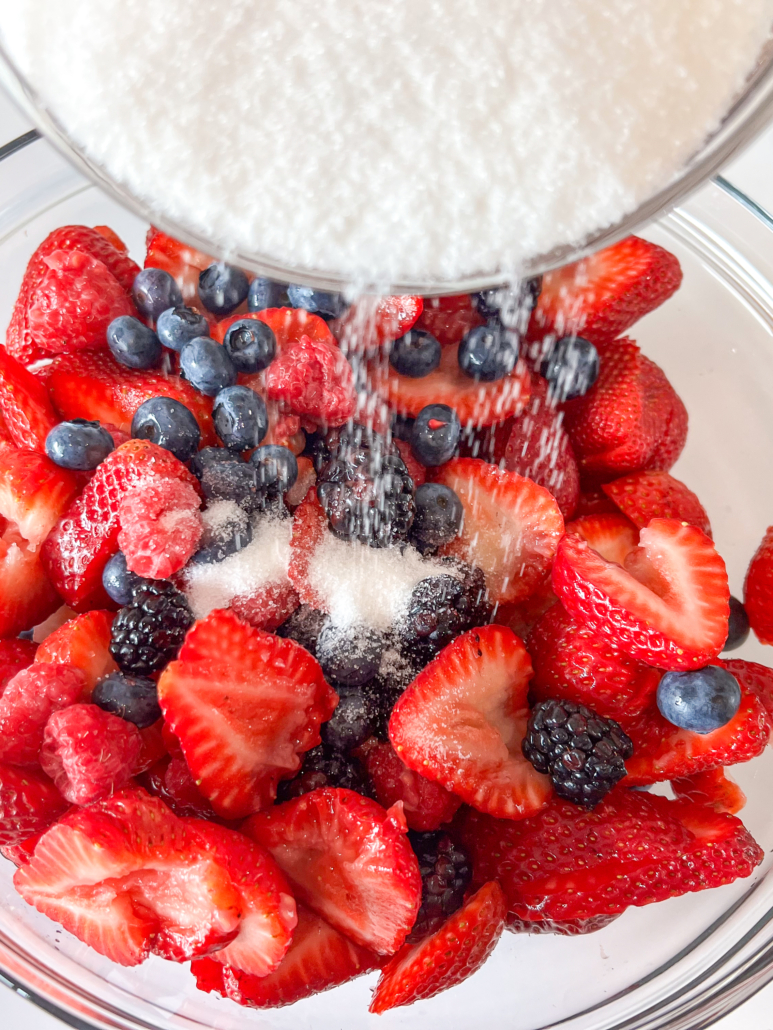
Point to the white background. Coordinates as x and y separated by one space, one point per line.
752 172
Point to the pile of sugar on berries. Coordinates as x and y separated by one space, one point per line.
286 580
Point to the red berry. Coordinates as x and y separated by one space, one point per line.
28 702
160 527
758 590
611 536
15 655
24 405
711 788
29 803
644 496
312 379
83 641
34 492
27 597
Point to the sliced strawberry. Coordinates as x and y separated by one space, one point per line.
182 262
564 927
612 536
309 529
462 720
632 849
348 860
602 295
21 853
84 642
86 536
668 606
446 958
226 671
416 470
319 958
268 607
29 803
153 748
511 526
755 678
94 386
375 320
573 662
314 380
644 496
288 325
448 319
674 436
15 655
522 616
24 405
426 805
128 877
711 788
28 702
27 597
758 590
593 501
34 492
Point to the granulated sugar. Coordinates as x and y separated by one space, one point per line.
399 138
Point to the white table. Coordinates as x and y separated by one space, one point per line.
752 173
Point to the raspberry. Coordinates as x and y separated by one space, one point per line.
160 527
313 378
89 753
29 700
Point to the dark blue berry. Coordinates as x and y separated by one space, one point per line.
737 626
701 700
350 724
416 354
231 481
435 435
511 305
318 302
438 517
176 326
220 540
265 293
129 697
207 366
349 654
78 444
250 344
168 423
240 417
488 352
402 427
118 581
222 288
153 291
210 456
571 367
132 343
276 467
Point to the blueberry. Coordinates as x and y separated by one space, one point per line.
250 344
571 366
221 538
350 724
240 417
349 654
118 581
78 444
701 700
276 467
129 697
206 365
402 427
265 293
210 456
435 434
132 343
438 517
168 423
176 326
488 352
222 288
416 354
318 302
231 481
153 291
511 305
737 626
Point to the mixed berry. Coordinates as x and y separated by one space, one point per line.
335 636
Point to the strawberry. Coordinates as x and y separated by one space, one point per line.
602 295
34 492
287 324
268 910
755 678
575 663
564 927
319 958
26 595
160 527
29 803
668 606
21 853
94 386
448 319
348 860
181 261
24 405
611 536
522 616
593 501
511 526
632 849
373 321
152 749
84 642
313 379
462 720
128 878
268 607
674 436
309 529
171 780
426 805
89 753
416 470
711 788
307 478
620 424
758 590
86 536
446 958
15 655
476 403
226 671
644 496
28 701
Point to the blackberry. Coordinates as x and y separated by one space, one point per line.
149 631
367 492
304 627
583 753
353 720
446 871
323 766
441 607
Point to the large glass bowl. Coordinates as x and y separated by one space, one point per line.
679 964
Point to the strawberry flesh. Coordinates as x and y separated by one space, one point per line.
644 496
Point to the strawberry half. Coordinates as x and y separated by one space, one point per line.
373 321
34 492
24 404
511 526
182 262
27 596
612 536
349 860
602 295
226 672
15 655
755 678
446 958
644 496
29 803
83 642
758 590
711 788
667 606
462 720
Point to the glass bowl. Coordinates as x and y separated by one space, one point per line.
678 964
